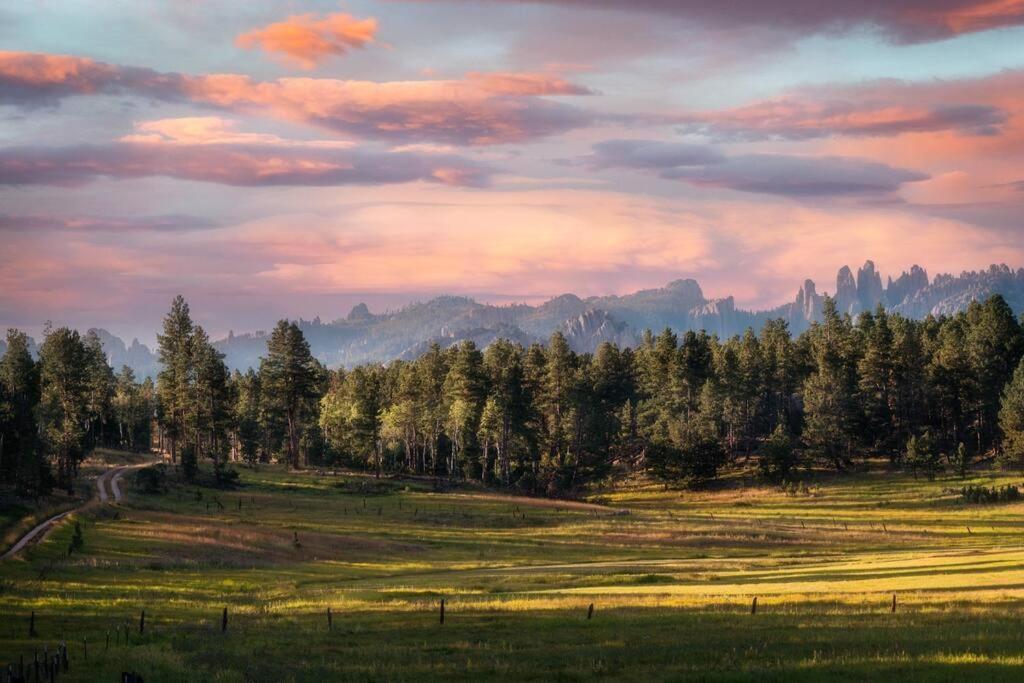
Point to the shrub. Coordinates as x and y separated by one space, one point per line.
990 494
922 456
224 477
778 457
151 480
189 463
77 540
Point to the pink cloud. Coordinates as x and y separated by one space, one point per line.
793 118
778 174
906 21
214 130
307 39
480 109
209 151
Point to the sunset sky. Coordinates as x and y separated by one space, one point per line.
292 158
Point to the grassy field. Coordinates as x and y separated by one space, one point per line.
671 576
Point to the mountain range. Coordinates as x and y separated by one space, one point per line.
363 336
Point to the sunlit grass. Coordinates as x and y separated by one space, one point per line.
671 574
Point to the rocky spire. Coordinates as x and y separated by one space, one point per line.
906 285
846 291
869 287
808 303
359 312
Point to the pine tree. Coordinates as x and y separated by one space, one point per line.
64 404
504 412
1011 420
778 460
288 376
99 391
177 378
21 461
922 455
248 397
876 371
210 411
829 403
994 346
465 394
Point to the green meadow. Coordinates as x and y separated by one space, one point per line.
671 576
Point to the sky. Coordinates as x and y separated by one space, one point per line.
293 158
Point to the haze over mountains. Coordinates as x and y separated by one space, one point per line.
363 336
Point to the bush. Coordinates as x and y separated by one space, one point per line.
224 477
922 456
151 480
692 459
778 457
189 463
77 540
960 460
990 494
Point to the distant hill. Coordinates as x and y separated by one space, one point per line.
363 336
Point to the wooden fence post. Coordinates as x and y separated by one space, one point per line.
894 603
590 612
224 621
330 622
32 625
442 610
142 622
753 606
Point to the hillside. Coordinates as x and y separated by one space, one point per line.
363 337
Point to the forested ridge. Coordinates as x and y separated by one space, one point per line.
941 393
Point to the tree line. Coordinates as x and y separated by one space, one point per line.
55 410
944 392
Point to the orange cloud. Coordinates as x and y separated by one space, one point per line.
306 40
479 109
215 130
970 17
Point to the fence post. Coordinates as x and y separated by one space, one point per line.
590 612
442 610
32 625
330 622
753 606
142 622
894 603
224 621
85 649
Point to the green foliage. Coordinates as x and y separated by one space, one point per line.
922 456
151 480
189 462
64 410
778 458
77 539
691 458
290 379
22 461
990 494
960 460
224 476
1011 420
